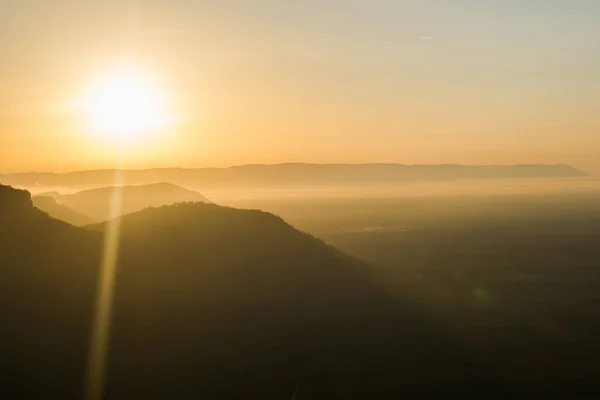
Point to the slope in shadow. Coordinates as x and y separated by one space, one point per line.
48 272
210 302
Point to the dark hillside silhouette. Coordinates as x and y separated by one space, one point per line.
215 302
211 302
60 211
48 272
272 308
95 202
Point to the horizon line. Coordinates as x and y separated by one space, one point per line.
289 164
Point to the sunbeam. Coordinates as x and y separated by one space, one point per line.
102 317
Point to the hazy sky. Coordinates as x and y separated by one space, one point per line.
265 81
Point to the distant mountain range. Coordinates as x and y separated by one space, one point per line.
293 174
56 210
95 203
210 302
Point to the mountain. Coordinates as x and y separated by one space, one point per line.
60 211
48 272
294 174
210 302
52 194
96 202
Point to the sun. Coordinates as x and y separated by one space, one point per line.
125 106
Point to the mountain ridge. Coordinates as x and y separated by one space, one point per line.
290 174
95 203
205 296
60 211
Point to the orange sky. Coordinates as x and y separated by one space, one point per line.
314 81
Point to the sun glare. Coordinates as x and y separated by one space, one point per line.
125 107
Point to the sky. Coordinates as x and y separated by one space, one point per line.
269 81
